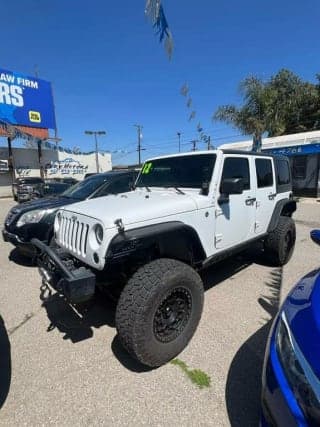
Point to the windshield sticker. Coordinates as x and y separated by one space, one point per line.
146 168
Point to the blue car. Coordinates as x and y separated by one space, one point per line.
291 373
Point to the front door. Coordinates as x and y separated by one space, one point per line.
235 218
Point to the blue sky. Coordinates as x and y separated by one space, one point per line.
109 71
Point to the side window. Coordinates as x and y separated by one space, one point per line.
283 172
264 173
237 167
299 167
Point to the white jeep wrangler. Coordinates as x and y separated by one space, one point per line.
186 212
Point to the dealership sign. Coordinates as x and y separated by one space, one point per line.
311 148
26 100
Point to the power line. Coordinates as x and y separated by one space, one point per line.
151 147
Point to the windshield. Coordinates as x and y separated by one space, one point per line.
183 171
85 188
55 188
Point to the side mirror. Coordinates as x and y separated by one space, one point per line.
205 188
315 236
231 186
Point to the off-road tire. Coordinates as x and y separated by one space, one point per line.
279 244
142 303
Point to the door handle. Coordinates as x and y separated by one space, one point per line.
271 196
250 201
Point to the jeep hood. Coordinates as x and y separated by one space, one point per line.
135 207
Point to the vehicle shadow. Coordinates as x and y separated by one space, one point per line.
217 273
125 359
243 386
18 258
77 323
5 363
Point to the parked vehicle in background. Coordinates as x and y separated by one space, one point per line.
35 218
66 180
291 373
187 211
87 175
27 188
54 188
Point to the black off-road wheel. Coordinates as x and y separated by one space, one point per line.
280 243
159 310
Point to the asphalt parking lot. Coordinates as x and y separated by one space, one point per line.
61 367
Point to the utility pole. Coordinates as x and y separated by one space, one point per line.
139 149
95 133
36 71
179 139
10 158
194 144
209 143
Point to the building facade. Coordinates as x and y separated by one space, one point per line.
54 164
303 150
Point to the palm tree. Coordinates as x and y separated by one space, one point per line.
154 11
254 117
282 105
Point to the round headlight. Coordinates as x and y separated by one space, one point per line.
99 233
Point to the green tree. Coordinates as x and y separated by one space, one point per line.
295 105
281 105
253 117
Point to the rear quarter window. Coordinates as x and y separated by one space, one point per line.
264 173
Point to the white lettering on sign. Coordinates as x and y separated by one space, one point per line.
27 83
11 95
7 78
21 81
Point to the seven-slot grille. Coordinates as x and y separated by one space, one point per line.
73 234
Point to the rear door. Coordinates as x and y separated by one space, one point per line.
265 192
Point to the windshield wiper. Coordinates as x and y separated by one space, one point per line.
176 188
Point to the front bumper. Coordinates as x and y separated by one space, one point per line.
77 284
279 405
26 247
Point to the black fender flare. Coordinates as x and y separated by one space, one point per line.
173 239
284 207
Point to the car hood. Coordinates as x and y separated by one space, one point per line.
43 203
302 312
136 206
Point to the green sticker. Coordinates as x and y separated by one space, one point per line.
146 168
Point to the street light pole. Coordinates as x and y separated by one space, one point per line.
95 133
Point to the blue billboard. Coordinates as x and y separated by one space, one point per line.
26 100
